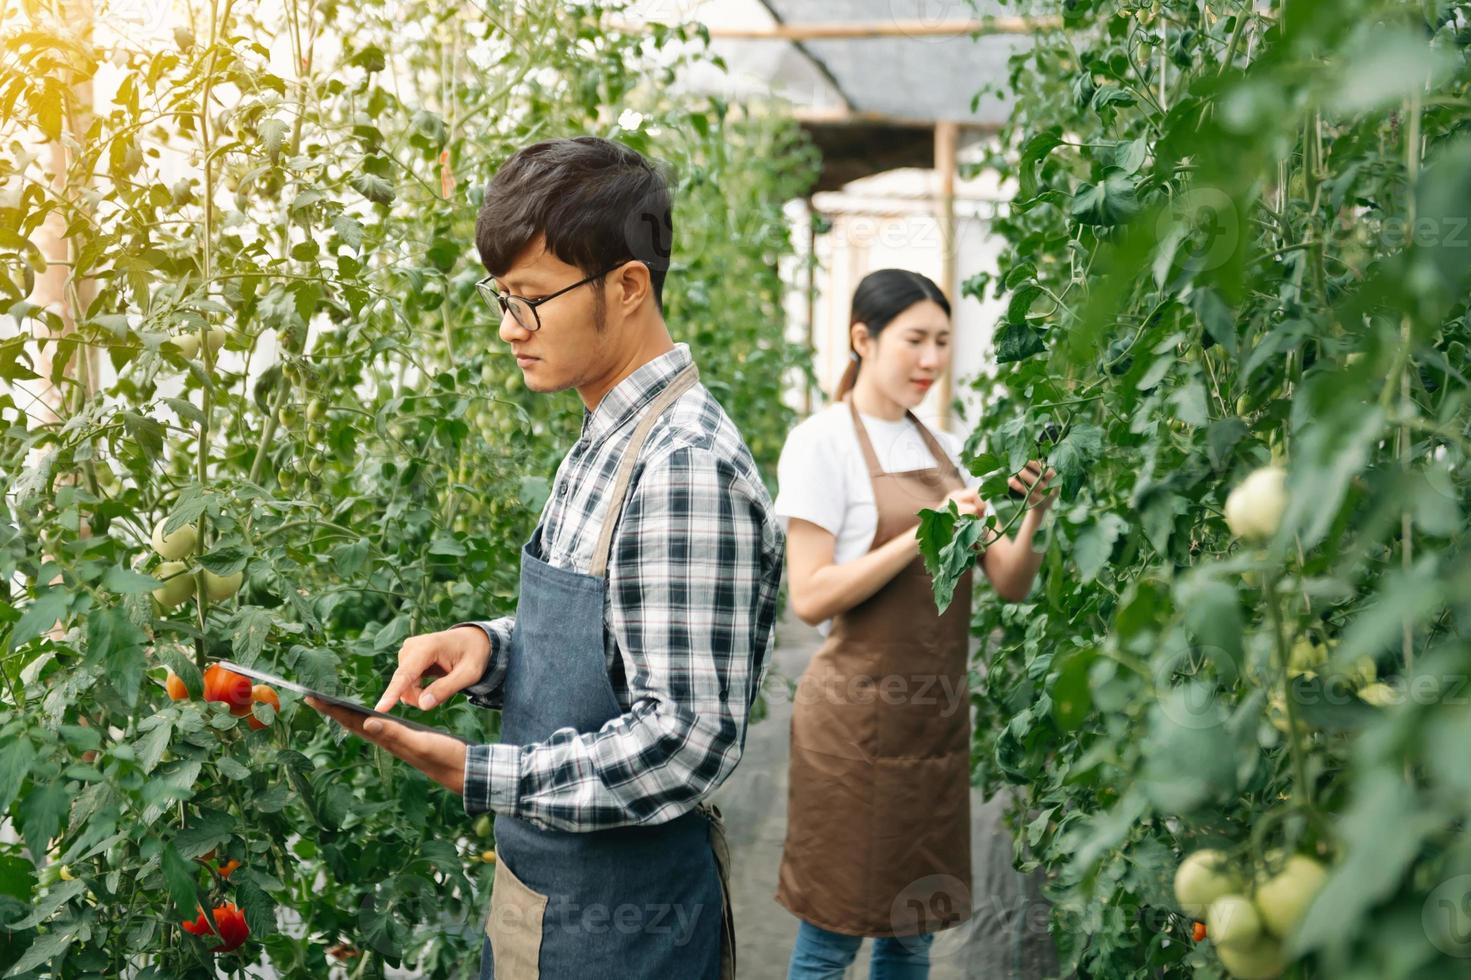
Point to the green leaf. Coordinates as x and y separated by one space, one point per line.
259 909
125 581
40 813
153 744
1072 457
179 876
1129 155
273 134
58 895
1071 700
40 616
1092 545
1333 448
351 557
1189 757
1216 317
205 832
1222 438
1033 152
252 627
225 559
370 58
16 756
1111 202
349 231
1016 342
1190 403
1212 614
118 645
47 947
147 433
17 879
186 410
1021 302
376 189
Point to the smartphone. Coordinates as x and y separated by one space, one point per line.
332 699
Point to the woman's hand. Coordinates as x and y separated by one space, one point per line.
1032 476
967 501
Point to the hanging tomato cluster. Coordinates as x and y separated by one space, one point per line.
234 690
230 921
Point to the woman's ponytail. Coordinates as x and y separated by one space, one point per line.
850 375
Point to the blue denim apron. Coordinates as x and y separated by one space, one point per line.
641 901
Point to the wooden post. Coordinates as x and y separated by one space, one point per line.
946 140
811 300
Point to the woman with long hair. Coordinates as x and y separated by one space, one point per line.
878 816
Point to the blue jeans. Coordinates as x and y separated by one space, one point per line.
823 955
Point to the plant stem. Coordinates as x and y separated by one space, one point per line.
1301 789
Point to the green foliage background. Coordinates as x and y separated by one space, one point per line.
1240 235
376 480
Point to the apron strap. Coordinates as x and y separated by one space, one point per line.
681 383
942 458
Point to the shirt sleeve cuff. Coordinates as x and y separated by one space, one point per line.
488 691
492 778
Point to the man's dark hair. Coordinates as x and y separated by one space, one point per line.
598 203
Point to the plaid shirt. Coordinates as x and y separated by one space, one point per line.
686 641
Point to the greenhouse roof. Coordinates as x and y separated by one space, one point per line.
905 61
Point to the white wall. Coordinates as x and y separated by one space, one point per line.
885 221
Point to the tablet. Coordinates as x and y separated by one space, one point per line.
332 699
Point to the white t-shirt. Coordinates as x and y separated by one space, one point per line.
822 476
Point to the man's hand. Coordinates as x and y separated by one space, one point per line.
457 657
439 757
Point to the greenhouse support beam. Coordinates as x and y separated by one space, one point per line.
888 28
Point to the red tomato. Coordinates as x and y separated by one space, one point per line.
175 686
231 923
265 694
227 686
1198 931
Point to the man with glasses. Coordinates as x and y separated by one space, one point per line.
647 598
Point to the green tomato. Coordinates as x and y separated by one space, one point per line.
1306 656
482 825
1254 508
1232 920
188 345
174 546
221 587
178 586
1203 877
1283 898
1261 960
1379 694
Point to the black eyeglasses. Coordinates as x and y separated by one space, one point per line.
523 310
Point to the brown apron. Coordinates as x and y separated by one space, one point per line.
878 812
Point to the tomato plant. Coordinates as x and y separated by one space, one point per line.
1238 245
270 420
